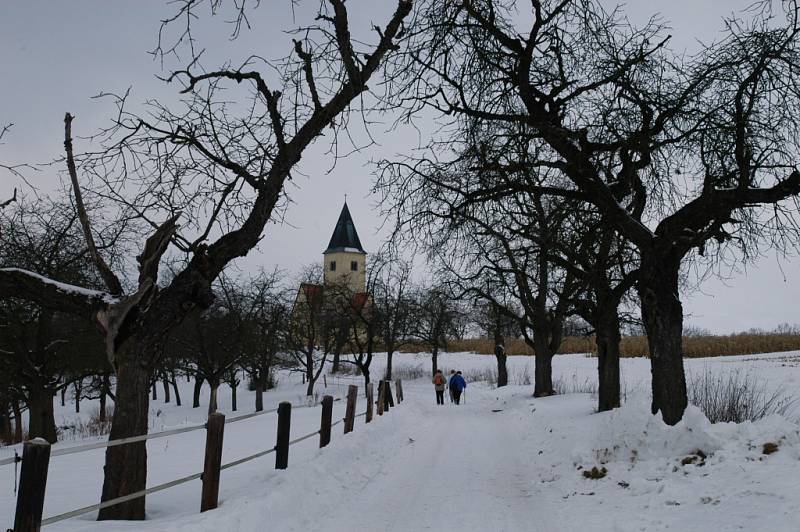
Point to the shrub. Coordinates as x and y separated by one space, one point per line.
594 473
486 374
769 448
92 427
520 376
408 372
562 386
736 396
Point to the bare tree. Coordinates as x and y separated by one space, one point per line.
676 152
316 326
392 303
237 167
268 312
39 347
434 318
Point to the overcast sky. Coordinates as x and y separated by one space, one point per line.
56 55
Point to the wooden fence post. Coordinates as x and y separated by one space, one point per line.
350 411
32 484
381 397
370 395
215 428
282 440
325 424
398 388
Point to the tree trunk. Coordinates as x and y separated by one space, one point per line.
102 414
434 359
155 389
212 399
165 381
78 389
500 351
336 362
502 370
104 390
365 372
389 365
198 386
543 368
125 470
233 386
662 314
608 338
309 375
174 382
6 435
41 419
258 380
543 375
64 395
18 432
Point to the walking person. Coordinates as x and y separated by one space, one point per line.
457 386
439 384
449 391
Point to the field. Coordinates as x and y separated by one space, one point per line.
502 461
636 346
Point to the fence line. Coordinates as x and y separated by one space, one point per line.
124 498
144 437
176 482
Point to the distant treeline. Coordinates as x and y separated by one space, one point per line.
745 343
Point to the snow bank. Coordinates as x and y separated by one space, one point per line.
632 434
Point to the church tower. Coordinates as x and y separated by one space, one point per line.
345 259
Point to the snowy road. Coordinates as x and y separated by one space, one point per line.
464 469
503 462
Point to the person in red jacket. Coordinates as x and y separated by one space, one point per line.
439 384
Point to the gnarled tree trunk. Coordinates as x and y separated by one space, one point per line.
662 314
126 465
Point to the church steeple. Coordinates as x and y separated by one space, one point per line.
345 258
345 236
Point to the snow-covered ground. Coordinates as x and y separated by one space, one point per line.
502 461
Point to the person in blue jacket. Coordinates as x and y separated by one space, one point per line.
457 386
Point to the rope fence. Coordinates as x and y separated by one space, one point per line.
36 455
144 437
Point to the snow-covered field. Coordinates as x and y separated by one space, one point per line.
502 461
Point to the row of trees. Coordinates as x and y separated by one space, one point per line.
582 158
579 158
202 176
256 324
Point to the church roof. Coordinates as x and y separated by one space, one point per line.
345 236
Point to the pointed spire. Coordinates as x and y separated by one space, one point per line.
345 236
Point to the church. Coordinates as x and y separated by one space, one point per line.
344 266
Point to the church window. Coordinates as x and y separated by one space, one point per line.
333 265
353 266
